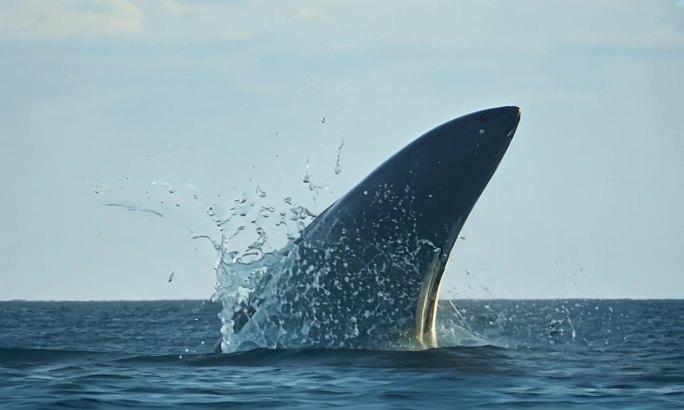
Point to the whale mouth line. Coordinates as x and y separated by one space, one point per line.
426 309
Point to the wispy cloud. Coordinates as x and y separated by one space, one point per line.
357 25
308 13
471 24
187 21
69 19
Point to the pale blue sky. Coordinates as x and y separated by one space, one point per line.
218 97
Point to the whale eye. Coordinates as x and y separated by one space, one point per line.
483 117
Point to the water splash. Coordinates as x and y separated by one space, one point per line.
307 175
258 256
454 330
260 192
338 167
286 297
308 180
133 208
101 188
247 255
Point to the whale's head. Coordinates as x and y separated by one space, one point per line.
485 133
446 169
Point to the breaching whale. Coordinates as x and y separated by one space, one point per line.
366 272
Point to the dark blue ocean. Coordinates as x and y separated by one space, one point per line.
555 354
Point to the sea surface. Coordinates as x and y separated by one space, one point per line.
552 354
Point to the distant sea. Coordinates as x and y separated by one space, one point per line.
552 354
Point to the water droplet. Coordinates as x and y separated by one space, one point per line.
260 192
323 120
481 132
196 196
365 192
338 167
102 188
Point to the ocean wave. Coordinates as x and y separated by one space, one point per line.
438 358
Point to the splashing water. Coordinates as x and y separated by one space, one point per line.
338 166
247 256
280 296
259 259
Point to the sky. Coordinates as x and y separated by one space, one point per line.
168 107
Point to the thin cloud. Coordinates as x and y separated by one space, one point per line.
308 13
56 19
476 25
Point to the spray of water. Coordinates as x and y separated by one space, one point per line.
258 255
277 296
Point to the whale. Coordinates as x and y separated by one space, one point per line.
366 272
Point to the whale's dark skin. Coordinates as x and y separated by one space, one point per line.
369 267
